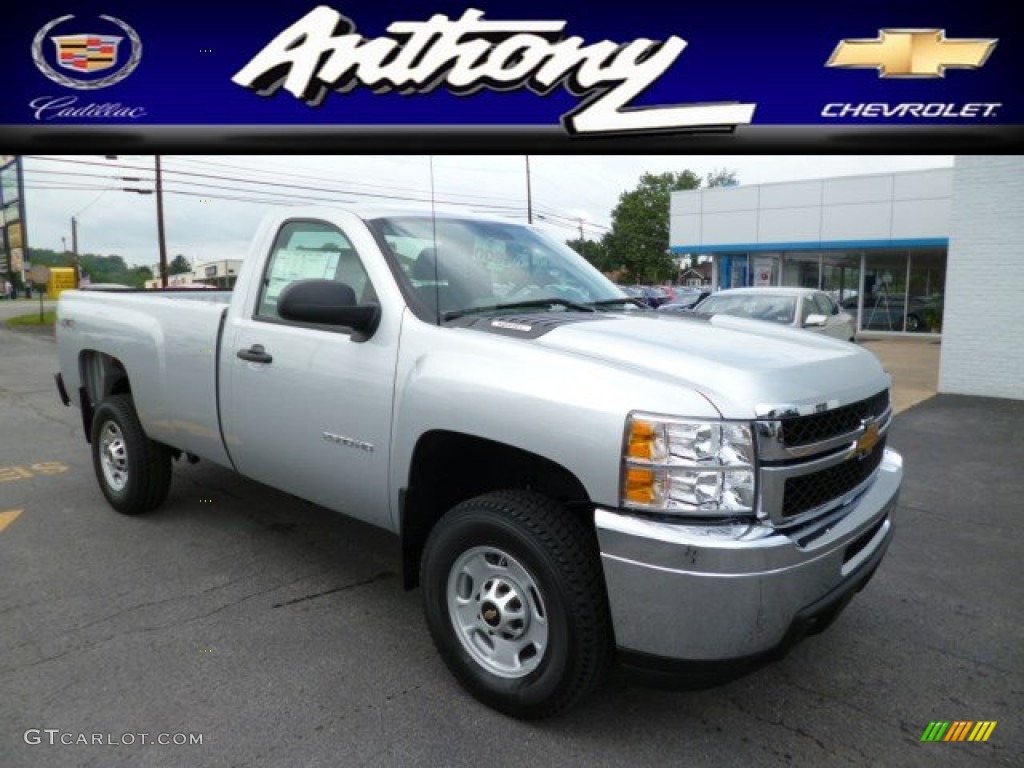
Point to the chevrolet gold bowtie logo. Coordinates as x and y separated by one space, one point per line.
868 440
912 53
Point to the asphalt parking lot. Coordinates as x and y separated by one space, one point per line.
280 632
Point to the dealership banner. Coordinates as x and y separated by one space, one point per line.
573 70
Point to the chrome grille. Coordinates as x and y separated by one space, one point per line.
804 430
811 464
806 492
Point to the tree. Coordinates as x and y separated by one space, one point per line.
179 265
100 269
593 251
639 237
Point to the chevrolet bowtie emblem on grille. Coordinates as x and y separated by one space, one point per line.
867 441
912 53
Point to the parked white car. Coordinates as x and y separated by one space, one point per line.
797 307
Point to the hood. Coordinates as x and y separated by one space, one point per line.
743 367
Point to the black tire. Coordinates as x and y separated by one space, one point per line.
914 324
560 554
148 463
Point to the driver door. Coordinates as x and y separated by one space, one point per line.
307 409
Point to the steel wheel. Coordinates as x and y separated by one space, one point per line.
497 611
513 596
133 471
114 456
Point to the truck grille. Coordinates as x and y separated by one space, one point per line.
804 430
805 492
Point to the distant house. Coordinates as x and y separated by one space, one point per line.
215 274
696 277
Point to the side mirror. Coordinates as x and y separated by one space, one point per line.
326 302
815 321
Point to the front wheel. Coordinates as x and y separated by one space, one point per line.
133 471
515 602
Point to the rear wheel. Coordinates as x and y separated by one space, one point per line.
133 471
515 602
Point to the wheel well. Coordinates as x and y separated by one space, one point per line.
102 375
450 467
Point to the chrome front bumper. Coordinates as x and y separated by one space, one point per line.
715 593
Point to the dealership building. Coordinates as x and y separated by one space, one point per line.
922 252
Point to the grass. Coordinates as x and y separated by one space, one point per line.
32 320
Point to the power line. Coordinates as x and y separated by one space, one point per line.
277 184
419 198
308 177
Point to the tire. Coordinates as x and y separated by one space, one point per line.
532 569
914 324
133 471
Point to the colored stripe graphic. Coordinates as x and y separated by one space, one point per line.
982 730
958 730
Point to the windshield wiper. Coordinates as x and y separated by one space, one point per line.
554 301
624 300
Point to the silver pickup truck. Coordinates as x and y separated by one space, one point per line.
577 482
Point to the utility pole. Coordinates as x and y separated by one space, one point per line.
583 243
74 250
529 193
160 224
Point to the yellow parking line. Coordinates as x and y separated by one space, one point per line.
8 517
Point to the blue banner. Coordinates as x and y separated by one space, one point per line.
593 69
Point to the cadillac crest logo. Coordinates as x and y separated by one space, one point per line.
86 53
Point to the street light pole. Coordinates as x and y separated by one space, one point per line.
529 193
160 224
74 250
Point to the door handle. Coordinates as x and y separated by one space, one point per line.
255 354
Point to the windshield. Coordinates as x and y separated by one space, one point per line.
472 265
778 309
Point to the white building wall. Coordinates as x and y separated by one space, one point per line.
983 326
877 208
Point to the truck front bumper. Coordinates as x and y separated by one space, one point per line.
698 603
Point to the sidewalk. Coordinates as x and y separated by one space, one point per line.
913 365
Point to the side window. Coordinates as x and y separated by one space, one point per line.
817 304
311 249
808 307
825 305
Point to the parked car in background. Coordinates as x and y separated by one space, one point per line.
634 293
686 299
886 313
797 307
655 295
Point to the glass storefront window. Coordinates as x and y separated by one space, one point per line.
840 276
802 270
927 289
885 289
733 270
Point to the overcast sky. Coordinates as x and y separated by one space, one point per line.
204 225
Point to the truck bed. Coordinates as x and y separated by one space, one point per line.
167 341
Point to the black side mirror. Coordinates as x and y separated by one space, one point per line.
326 302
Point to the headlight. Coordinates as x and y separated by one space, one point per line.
683 466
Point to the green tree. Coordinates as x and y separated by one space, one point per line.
593 251
179 265
639 237
100 269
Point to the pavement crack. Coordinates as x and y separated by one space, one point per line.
156 627
344 588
